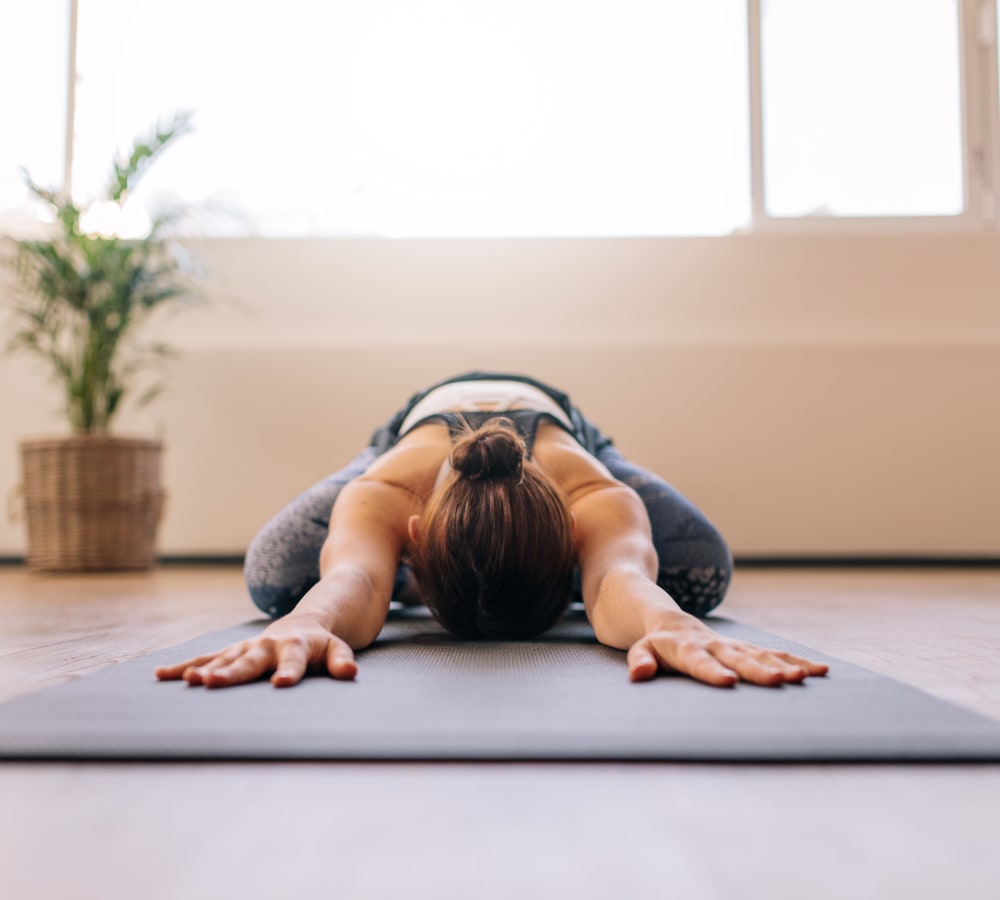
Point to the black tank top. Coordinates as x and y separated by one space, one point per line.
589 436
526 421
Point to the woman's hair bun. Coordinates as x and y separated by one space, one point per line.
494 451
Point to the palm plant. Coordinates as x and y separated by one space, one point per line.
85 297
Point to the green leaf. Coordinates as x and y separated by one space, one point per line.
128 172
149 395
84 299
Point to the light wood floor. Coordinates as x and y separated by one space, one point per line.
188 831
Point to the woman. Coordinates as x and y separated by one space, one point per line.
493 500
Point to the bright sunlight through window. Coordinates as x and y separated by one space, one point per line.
443 118
33 71
862 107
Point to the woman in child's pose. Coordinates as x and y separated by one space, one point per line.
490 498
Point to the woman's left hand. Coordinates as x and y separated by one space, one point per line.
692 648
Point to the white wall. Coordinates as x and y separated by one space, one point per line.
815 394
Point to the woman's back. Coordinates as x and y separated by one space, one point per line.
419 460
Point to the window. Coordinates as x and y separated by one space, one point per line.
527 118
862 107
444 117
34 65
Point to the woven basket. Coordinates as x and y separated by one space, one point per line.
92 503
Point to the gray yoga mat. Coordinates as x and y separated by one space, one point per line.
423 695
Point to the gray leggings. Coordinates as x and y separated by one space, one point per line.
695 565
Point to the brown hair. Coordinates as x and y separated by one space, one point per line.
495 555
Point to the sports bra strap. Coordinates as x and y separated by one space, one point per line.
526 421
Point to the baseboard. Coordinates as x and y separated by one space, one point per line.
816 561
867 562
208 559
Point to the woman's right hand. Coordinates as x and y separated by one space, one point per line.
288 648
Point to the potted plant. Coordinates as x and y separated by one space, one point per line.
93 500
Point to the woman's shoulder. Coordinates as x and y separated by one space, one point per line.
567 462
413 463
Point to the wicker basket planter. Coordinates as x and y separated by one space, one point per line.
92 503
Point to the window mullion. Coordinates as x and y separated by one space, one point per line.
979 128
755 86
979 54
67 185
972 132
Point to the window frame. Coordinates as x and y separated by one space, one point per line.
980 136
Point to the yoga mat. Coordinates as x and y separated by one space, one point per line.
422 695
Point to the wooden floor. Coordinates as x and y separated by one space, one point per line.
188 831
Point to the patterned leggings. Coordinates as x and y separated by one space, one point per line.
282 562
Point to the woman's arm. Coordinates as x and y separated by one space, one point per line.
343 612
629 611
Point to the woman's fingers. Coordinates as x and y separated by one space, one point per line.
755 664
648 656
293 660
288 658
220 657
643 663
811 668
717 661
340 659
172 673
707 667
198 669
248 663
768 667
